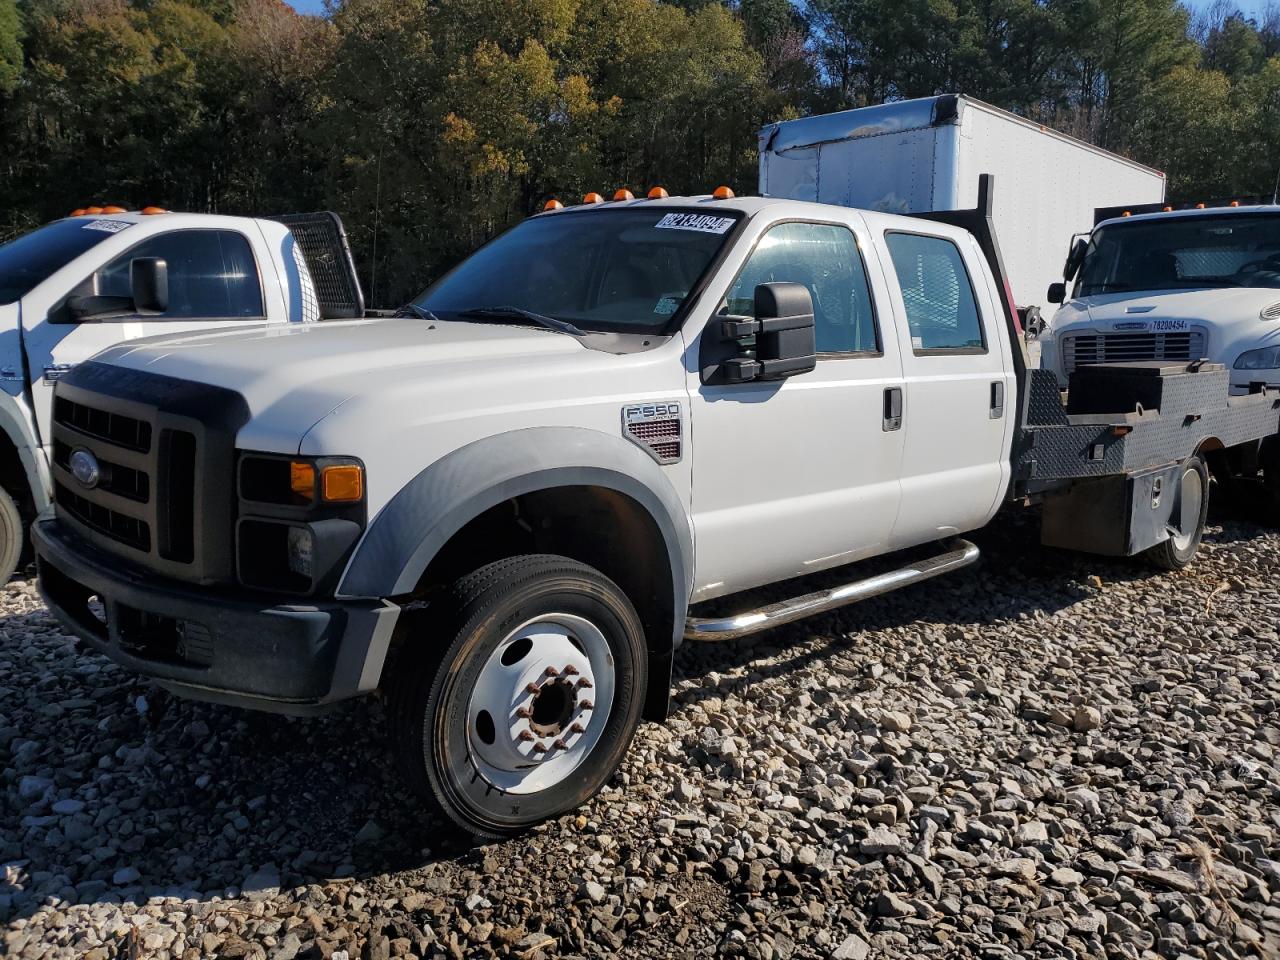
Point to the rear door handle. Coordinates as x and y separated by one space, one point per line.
892 409
997 399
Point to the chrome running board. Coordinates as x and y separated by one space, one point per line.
788 611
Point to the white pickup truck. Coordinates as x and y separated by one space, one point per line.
1155 283
506 508
104 275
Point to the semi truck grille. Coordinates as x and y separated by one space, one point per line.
163 495
1082 349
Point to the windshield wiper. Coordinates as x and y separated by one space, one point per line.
513 313
422 313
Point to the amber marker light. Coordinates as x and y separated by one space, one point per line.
723 193
152 211
343 483
623 194
658 193
112 208
553 205
302 479
593 198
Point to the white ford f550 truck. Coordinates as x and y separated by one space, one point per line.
1154 283
104 275
506 507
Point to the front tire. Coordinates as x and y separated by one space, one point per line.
1187 524
12 536
532 705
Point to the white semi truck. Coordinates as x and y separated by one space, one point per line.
1152 282
506 510
919 155
104 274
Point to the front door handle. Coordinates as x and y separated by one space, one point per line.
892 409
997 399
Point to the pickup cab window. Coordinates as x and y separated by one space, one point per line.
212 274
628 270
942 312
825 258
28 259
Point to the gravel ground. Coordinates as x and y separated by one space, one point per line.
1045 755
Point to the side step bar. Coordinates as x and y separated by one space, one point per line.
962 554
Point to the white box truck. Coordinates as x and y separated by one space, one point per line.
920 155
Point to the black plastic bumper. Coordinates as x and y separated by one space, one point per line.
212 644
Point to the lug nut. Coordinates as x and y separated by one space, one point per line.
551 672
524 713
577 728
539 748
560 744
585 704
524 736
531 688
585 684
570 671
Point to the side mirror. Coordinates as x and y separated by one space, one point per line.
778 342
149 283
1057 293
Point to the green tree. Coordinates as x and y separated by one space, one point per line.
10 46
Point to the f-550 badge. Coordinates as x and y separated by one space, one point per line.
655 428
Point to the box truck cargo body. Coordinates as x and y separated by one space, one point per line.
919 155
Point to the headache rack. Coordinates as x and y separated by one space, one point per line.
323 241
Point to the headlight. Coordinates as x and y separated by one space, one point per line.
1268 358
299 519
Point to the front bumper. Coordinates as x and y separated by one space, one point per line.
220 645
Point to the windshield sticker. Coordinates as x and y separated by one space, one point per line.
108 226
668 305
694 221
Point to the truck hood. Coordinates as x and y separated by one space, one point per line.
293 375
1218 307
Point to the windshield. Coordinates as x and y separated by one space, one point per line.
30 258
1236 250
627 270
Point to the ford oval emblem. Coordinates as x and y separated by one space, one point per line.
84 467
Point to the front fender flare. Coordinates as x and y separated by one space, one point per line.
421 518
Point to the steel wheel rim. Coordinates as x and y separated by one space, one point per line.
1191 499
540 704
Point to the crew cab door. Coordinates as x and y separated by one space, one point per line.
214 280
798 475
959 405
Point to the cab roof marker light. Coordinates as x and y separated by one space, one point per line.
1126 214
93 210
152 211
77 212
553 204
113 208
1235 203
1199 206
1168 209
722 193
593 198
658 193
623 194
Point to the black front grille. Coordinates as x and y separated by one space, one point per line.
131 531
1085 349
128 432
116 478
165 499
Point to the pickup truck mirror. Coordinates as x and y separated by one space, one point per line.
778 342
149 283
1057 293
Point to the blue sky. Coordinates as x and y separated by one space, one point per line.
1252 8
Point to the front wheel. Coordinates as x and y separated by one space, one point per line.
1186 525
531 705
12 536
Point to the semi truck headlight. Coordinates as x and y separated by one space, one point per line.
1267 358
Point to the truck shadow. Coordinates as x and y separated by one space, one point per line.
174 798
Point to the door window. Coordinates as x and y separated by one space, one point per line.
825 258
212 274
942 312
